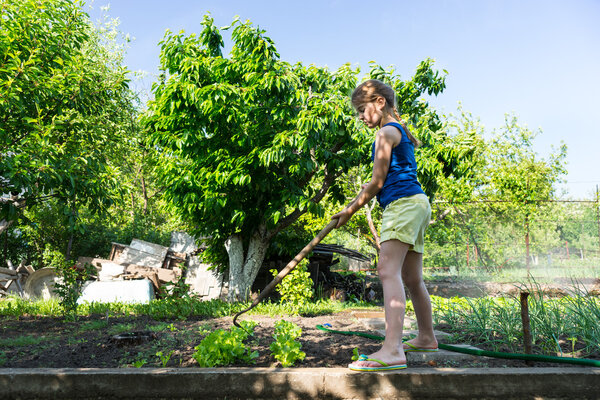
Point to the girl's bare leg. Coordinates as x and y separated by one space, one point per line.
391 259
412 275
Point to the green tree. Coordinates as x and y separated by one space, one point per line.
65 109
250 143
505 188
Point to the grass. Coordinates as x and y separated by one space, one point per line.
22 341
92 326
169 309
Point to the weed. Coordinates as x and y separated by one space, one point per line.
172 327
120 328
93 325
139 363
22 341
164 358
73 340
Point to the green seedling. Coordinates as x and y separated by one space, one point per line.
164 359
573 340
355 354
139 363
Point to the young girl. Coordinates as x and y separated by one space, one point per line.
406 215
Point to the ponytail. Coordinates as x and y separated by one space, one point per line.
416 142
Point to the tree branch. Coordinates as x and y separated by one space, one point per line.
294 215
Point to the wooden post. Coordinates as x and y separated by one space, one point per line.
525 322
527 241
5 248
598 215
467 252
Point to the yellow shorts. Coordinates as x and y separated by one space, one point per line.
405 220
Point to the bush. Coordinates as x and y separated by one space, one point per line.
71 281
296 288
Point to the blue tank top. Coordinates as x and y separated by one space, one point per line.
401 180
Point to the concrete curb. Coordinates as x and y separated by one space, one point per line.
300 383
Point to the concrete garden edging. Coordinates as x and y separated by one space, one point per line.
300 383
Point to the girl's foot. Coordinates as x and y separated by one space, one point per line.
417 344
388 358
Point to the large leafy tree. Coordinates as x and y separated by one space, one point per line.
65 108
250 143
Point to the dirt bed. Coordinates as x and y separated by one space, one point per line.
45 342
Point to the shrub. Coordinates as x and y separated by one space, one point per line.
71 281
296 288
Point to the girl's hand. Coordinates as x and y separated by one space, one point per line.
342 217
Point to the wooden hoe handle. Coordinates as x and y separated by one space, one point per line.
288 268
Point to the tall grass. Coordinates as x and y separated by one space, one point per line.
172 308
496 322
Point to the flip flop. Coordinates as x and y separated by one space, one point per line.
383 367
411 347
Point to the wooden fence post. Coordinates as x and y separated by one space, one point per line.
526 325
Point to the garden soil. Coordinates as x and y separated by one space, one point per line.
89 342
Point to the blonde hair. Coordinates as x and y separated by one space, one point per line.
370 90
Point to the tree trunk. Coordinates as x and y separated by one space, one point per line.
4 224
144 195
243 270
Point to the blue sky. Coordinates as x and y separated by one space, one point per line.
537 59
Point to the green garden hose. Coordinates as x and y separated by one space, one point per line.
486 353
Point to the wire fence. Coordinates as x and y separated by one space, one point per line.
556 237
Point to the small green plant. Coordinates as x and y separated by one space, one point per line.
573 340
93 325
164 358
178 289
285 348
355 354
139 363
71 281
204 329
121 328
296 288
223 347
